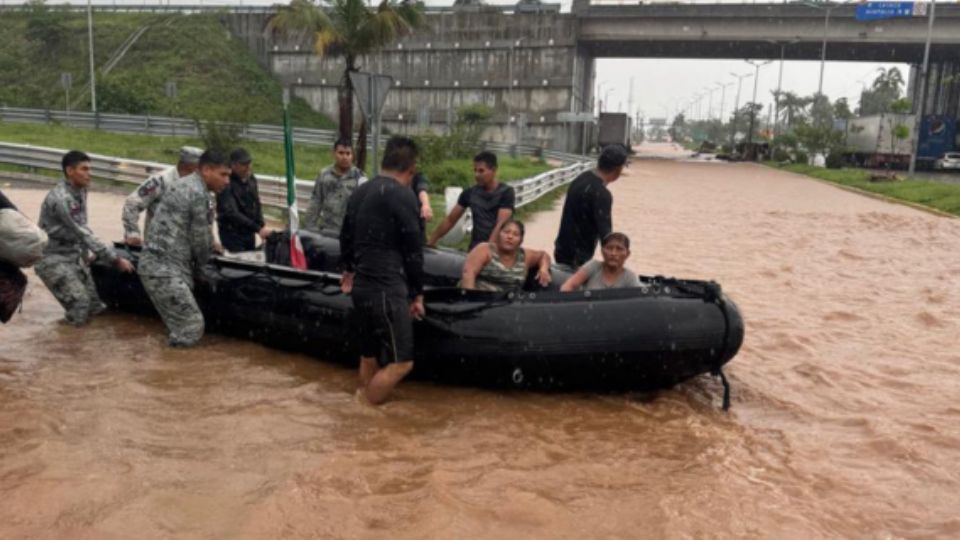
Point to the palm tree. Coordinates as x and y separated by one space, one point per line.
351 29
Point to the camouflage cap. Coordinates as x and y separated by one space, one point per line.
190 155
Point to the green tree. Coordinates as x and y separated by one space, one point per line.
678 128
45 28
885 90
351 29
841 109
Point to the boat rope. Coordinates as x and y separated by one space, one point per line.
713 294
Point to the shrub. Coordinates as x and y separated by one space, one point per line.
443 175
780 155
835 160
221 136
801 157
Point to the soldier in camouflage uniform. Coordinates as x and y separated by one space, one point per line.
147 196
64 268
179 240
333 187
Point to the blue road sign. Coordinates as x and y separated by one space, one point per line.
871 11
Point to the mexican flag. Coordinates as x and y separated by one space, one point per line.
297 259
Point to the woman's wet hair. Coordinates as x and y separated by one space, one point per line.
518 223
624 239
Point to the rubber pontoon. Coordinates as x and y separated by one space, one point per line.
644 338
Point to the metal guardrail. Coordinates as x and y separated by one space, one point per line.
185 127
272 188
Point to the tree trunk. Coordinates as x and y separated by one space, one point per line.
345 102
361 149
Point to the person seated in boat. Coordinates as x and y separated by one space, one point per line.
503 265
609 274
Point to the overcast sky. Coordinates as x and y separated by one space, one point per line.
662 87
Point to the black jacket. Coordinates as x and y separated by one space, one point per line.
238 207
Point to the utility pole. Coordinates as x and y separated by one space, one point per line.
922 86
93 76
736 108
753 102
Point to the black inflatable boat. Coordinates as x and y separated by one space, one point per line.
644 338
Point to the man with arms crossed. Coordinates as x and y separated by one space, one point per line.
382 258
490 202
333 187
179 240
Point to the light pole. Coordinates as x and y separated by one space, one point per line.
600 101
723 99
709 91
823 47
736 107
921 102
753 102
93 77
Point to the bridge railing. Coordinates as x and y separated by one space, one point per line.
273 190
185 127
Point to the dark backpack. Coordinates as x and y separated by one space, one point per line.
12 286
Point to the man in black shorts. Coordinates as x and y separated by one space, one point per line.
382 259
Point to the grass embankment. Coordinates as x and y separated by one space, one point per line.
215 74
939 196
267 156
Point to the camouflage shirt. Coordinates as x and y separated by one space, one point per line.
180 234
328 203
147 196
63 216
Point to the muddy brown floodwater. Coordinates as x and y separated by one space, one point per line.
845 418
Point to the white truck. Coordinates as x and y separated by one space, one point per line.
872 141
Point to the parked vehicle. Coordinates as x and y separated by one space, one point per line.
614 128
872 141
949 161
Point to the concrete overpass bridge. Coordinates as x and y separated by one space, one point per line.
759 31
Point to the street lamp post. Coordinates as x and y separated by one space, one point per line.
823 47
756 79
723 99
600 101
93 77
921 102
736 107
709 92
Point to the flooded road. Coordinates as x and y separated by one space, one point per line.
845 421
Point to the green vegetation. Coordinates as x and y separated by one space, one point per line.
216 76
943 197
268 156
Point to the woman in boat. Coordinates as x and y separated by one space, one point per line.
609 274
503 265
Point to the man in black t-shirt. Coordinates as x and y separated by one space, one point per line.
490 202
381 250
587 210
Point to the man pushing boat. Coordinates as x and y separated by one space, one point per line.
382 259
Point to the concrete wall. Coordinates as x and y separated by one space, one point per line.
527 67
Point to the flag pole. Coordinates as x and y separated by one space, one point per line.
297 258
